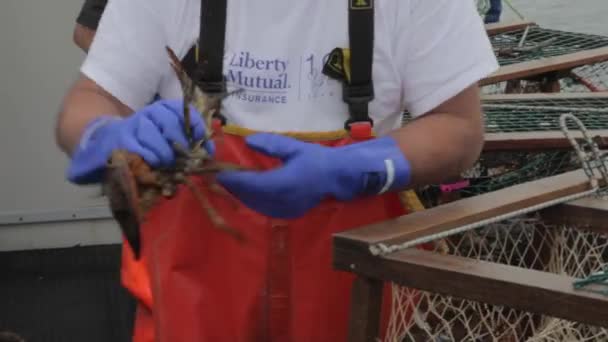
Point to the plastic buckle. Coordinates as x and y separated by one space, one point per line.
454 186
360 129
216 125
218 122
219 118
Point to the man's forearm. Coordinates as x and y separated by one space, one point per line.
439 147
84 102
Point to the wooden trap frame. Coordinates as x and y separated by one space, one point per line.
533 58
493 283
515 298
504 27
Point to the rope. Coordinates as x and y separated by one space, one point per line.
547 108
383 249
597 157
524 37
521 16
598 278
590 161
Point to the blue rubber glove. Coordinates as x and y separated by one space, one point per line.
148 133
311 172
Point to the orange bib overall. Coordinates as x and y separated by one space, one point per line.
194 282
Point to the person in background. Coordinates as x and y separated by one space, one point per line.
493 14
86 23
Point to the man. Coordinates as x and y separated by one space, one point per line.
493 14
87 22
313 178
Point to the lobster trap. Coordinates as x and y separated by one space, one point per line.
538 59
524 141
518 252
510 280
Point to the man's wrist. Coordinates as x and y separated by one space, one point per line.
397 169
93 127
89 159
373 167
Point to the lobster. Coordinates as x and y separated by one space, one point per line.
133 187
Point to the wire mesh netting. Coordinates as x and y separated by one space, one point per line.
501 169
593 77
507 116
497 170
525 242
541 114
535 42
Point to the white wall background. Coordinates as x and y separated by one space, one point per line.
37 63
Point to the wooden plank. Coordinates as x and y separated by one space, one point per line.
544 96
538 140
546 65
497 28
466 211
366 305
497 284
589 213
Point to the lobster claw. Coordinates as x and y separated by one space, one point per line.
121 189
129 226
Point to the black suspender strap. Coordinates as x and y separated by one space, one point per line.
353 66
356 70
209 72
359 92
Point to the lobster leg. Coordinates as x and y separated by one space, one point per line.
217 220
223 192
219 166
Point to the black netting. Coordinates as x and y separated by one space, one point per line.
541 42
535 42
533 115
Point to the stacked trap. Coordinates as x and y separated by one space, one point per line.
524 141
537 59
511 278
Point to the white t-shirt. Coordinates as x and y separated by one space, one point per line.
426 51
